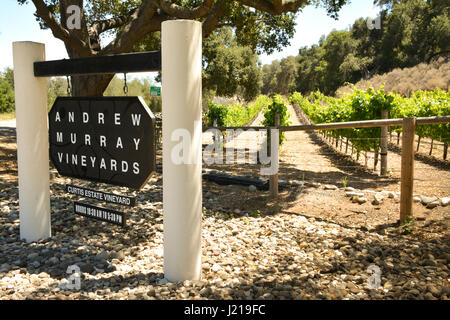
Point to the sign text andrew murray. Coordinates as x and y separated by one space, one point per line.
103 139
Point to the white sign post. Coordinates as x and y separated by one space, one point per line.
181 126
182 182
32 142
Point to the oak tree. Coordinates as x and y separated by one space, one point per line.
264 25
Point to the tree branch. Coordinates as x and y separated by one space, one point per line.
212 20
144 19
58 31
275 6
178 11
101 26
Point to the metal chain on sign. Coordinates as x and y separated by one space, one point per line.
125 87
69 89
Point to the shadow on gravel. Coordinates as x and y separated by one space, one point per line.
352 167
7 155
113 283
429 160
236 196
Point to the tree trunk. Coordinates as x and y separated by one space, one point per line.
365 159
398 138
431 148
445 150
90 86
418 145
375 161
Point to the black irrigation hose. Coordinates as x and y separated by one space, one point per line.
224 179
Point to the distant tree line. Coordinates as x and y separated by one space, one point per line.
6 91
412 31
57 87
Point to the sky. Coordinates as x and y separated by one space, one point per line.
17 23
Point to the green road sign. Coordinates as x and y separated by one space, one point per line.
155 91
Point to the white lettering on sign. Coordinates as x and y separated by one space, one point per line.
124 166
102 141
98 213
136 142
92 162
80 133
113 165
119 143
59 137
73 138
102 164
135 119
75 159
135 168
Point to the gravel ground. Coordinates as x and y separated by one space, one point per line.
282 256
253 247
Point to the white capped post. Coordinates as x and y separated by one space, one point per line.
32 142
182 183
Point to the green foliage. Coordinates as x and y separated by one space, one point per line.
6 91
367 105
235 115
136 87
425 104
230 68
412 32
361 105
134 25
278 106
344 181
56 87
407 226
279 76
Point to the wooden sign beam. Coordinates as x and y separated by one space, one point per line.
120 63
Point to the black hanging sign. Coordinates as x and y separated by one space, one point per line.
102 214
103 139
100 195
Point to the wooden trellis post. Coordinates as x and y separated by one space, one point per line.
273 180
407 170
384 145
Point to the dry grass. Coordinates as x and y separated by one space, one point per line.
405 81
7 116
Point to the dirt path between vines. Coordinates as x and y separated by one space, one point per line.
304 156
304 150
